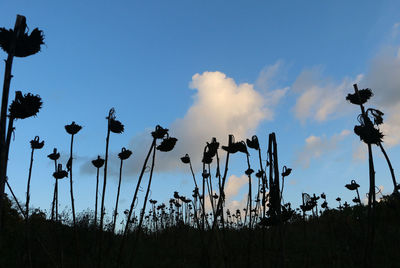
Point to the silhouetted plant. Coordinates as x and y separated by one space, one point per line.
117 127
123 155
58 175
354 186
72 129
54 205
16 43
35 145
97 163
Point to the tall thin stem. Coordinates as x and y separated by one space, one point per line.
116 203
390 167
28 187
71 182
97 194
102 212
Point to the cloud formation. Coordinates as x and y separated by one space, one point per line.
320 99
315 147
221 107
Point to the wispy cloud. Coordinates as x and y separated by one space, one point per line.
315 147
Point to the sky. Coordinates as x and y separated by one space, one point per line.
205 69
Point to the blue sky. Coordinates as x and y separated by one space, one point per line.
283 67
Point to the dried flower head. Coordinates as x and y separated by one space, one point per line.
159 132
376 115
24 106
260 173
249 171
114 125
368 134
185 159
124 154
286 171
73 128
60 173
99 162
25 45
35 144
54 155
253 143
362 97
352 186
167 144
213 147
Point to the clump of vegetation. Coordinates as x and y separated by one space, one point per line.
200 231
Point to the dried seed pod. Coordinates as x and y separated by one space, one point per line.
99 162
286 171
213 147
253 143
73 128
54 155
362 97
24 106
116 126
124 154
167 144
260 173
207 158
60 173
249 171
25 45
368 134
352 186
35 144
159 132
185 159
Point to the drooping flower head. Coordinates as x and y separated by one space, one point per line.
185 159
60 173
159 132
286 171
54 155
73 128
114 125
167 144
24 106
25 45
253 143
352 186
36 144
99 162
124 154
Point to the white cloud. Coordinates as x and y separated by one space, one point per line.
221 107
320 99
316 147
360 151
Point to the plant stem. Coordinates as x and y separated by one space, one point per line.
70 182
97 193
390 167
102 212
28 187
116 203
19 29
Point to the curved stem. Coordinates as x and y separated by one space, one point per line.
390 167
